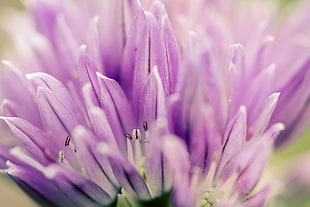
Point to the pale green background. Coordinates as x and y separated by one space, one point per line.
10 194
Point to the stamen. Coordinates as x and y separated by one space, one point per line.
128 136
145 126
61 155
67 142
136 134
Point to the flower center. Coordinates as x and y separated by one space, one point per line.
136 146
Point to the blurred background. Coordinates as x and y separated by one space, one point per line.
12 196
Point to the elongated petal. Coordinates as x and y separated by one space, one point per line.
32 138
151 43
205 146
247 165
137 60
294 103
55 115
259 198
98 117
87 74
235 135
113 26
13 95
159 174
77 188
153 104
39 187
126 174
117 108
53 94
262 121
97 171
177 160
82 190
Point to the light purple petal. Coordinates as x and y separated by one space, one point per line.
113 27
177 160
259 198
127 176
159 173
153 105
87 74
205 146
292 108
248 164
150 43
33 139
39 187
82 190
98 118
117 109
14 95
235 135
98 171
54 98
263 119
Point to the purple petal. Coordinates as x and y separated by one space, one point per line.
262 121
293 105
127 176
258 92
247 164
175 152
136 64
158 172
235 135
98 118
153 104
151 43
66 50
117 108
114 24
87 74
45 13
22 92
259 198
56 114
39 187
59 119
97 171
56 100
205 146
75 186
32 138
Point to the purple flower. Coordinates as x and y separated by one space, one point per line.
118 103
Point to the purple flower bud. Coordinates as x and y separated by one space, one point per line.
152 103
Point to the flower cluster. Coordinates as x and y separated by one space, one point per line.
142 103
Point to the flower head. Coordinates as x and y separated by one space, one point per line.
162 103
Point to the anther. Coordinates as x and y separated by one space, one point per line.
136 134
128 136
61 155
145 126
67 142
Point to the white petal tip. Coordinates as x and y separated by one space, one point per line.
242 109
280 126
83 47
103 148
50 172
